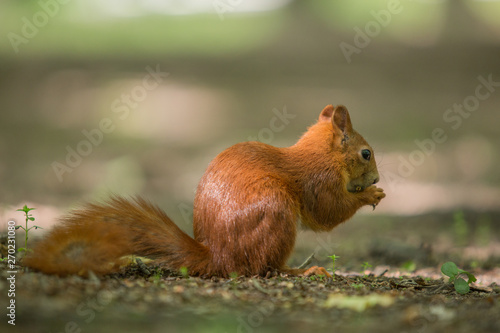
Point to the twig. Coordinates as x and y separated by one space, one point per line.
307 262
383 273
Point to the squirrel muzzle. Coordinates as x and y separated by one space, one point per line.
361 183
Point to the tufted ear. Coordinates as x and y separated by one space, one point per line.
339 117
341 120
326 114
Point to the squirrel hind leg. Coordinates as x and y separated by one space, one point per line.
315 270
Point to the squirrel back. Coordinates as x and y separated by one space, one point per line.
246 209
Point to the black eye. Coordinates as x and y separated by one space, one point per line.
366 154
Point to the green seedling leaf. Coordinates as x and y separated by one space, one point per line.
461 286
25 209
450 269
470 276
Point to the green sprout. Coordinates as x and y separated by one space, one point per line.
184 272
460 227
29 217
334 258
233 276
156 276
451 270
409 266
366 266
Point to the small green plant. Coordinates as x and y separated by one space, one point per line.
409 266
233 277
451 270
184 272
365 266
460 227
29 217
334 258
156 276
319 278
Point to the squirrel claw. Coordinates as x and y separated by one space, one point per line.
374 206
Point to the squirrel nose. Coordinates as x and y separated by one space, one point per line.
376 180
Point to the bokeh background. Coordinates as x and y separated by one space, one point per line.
402 68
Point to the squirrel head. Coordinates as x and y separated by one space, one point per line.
360 166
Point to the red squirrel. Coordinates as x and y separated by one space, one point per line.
245 215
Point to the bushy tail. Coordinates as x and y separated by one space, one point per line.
95 237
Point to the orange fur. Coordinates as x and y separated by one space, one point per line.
245 212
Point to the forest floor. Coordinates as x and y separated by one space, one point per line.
391 296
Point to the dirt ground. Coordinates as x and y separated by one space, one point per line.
137 301
395 295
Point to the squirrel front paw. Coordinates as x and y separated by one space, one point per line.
372 196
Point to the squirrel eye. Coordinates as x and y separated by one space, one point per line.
366 154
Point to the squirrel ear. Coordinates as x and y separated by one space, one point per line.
326 114
341 120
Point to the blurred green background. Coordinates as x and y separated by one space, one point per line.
82 117
233 66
